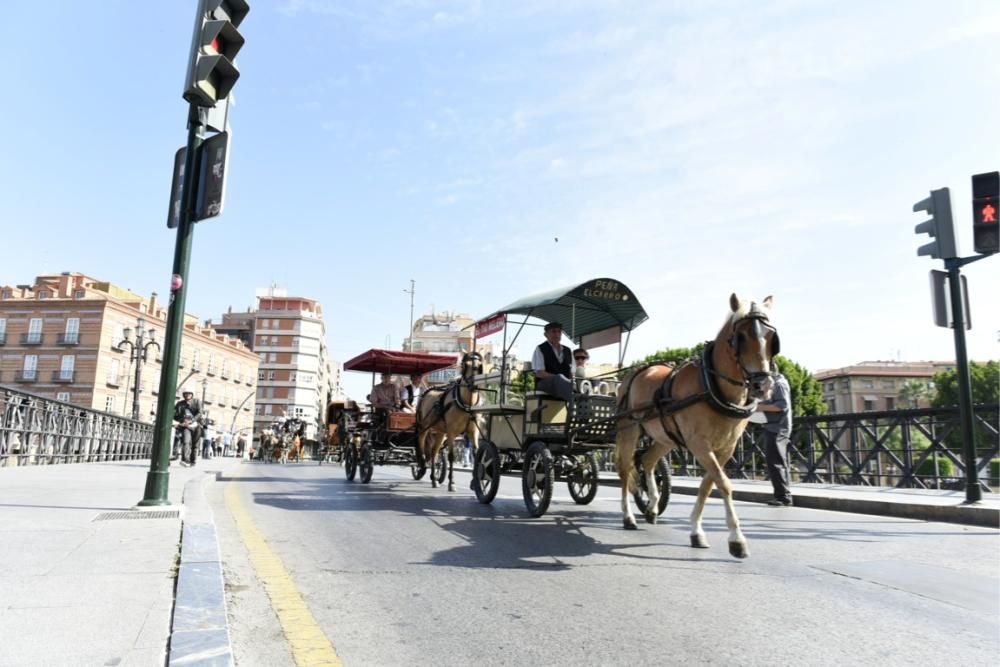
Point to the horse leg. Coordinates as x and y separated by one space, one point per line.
737 542
436 444
649 460
625 443
451 463
698 539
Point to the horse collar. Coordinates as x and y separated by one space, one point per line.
711 388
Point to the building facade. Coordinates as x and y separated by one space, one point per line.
296 377
876 385
62 338
442 333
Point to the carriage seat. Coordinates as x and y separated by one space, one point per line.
545 408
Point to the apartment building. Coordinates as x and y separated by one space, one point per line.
876 385
441 333
61 337
296 377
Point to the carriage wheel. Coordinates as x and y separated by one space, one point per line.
662 477
367 465
486 472
537 478
350 462
439 466
583 481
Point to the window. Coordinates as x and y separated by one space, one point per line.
273 357
3 331
34 330
211 363
869 403
274 341
156 381
260 376
269 393
30 368
299 411
263 357
71 334
79 294
890 403
195 360
271 375
109 404
118 337
888 384
267 409
225 368
44 294
62 396
113 372
66 367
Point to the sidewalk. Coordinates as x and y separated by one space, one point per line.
85 582
921 504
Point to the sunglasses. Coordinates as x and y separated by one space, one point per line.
581 358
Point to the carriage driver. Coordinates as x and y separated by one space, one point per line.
553 364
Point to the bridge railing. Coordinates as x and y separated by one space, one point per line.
919 448
40 431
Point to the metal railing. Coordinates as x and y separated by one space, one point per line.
41 431
920 448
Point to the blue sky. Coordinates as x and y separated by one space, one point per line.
687 149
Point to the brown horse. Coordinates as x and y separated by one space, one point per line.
444 413
702 406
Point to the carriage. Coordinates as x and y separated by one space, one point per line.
547 438
372 438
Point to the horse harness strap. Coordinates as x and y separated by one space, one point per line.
717 403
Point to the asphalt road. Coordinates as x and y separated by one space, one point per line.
396 572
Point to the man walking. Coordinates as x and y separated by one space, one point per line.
186 412
777 430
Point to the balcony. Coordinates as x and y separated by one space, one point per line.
69 339
63 377
210 370
113 381
31 339
30 375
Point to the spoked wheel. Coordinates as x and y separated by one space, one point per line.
486 472
367 465
439 466
583 480
350 462
536 480
661 476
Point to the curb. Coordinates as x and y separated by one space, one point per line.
199 632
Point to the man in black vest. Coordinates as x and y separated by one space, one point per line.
552 363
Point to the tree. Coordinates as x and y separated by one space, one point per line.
985 385
914 391
807 396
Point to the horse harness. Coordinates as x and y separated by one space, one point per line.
668 406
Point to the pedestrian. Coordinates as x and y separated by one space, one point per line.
777 431
206 441
241 444
467 451
187 412
227 444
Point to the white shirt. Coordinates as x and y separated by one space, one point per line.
538 359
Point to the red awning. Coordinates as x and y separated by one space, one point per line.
399 363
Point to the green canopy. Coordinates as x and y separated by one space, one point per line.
592 306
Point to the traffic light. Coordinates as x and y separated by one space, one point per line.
985 205
940 226
212 71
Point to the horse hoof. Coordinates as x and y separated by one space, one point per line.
699 542
434 484
630 524
451 487
738 549
650 516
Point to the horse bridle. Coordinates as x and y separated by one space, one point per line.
761 322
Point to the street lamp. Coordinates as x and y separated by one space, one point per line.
237 414
138 350
411 292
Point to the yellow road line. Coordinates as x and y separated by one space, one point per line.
308 644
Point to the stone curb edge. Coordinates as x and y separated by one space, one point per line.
199 632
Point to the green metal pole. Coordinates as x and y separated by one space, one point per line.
158 477
973 492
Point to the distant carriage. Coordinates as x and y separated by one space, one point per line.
369 438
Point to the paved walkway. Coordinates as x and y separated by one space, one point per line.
79 588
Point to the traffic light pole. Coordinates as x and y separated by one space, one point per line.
973 492
158 477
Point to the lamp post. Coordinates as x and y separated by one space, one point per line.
411 291
138 350
239 407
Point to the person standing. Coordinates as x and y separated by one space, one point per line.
241 443
411 393
207 437
552 363
186 413
777 431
